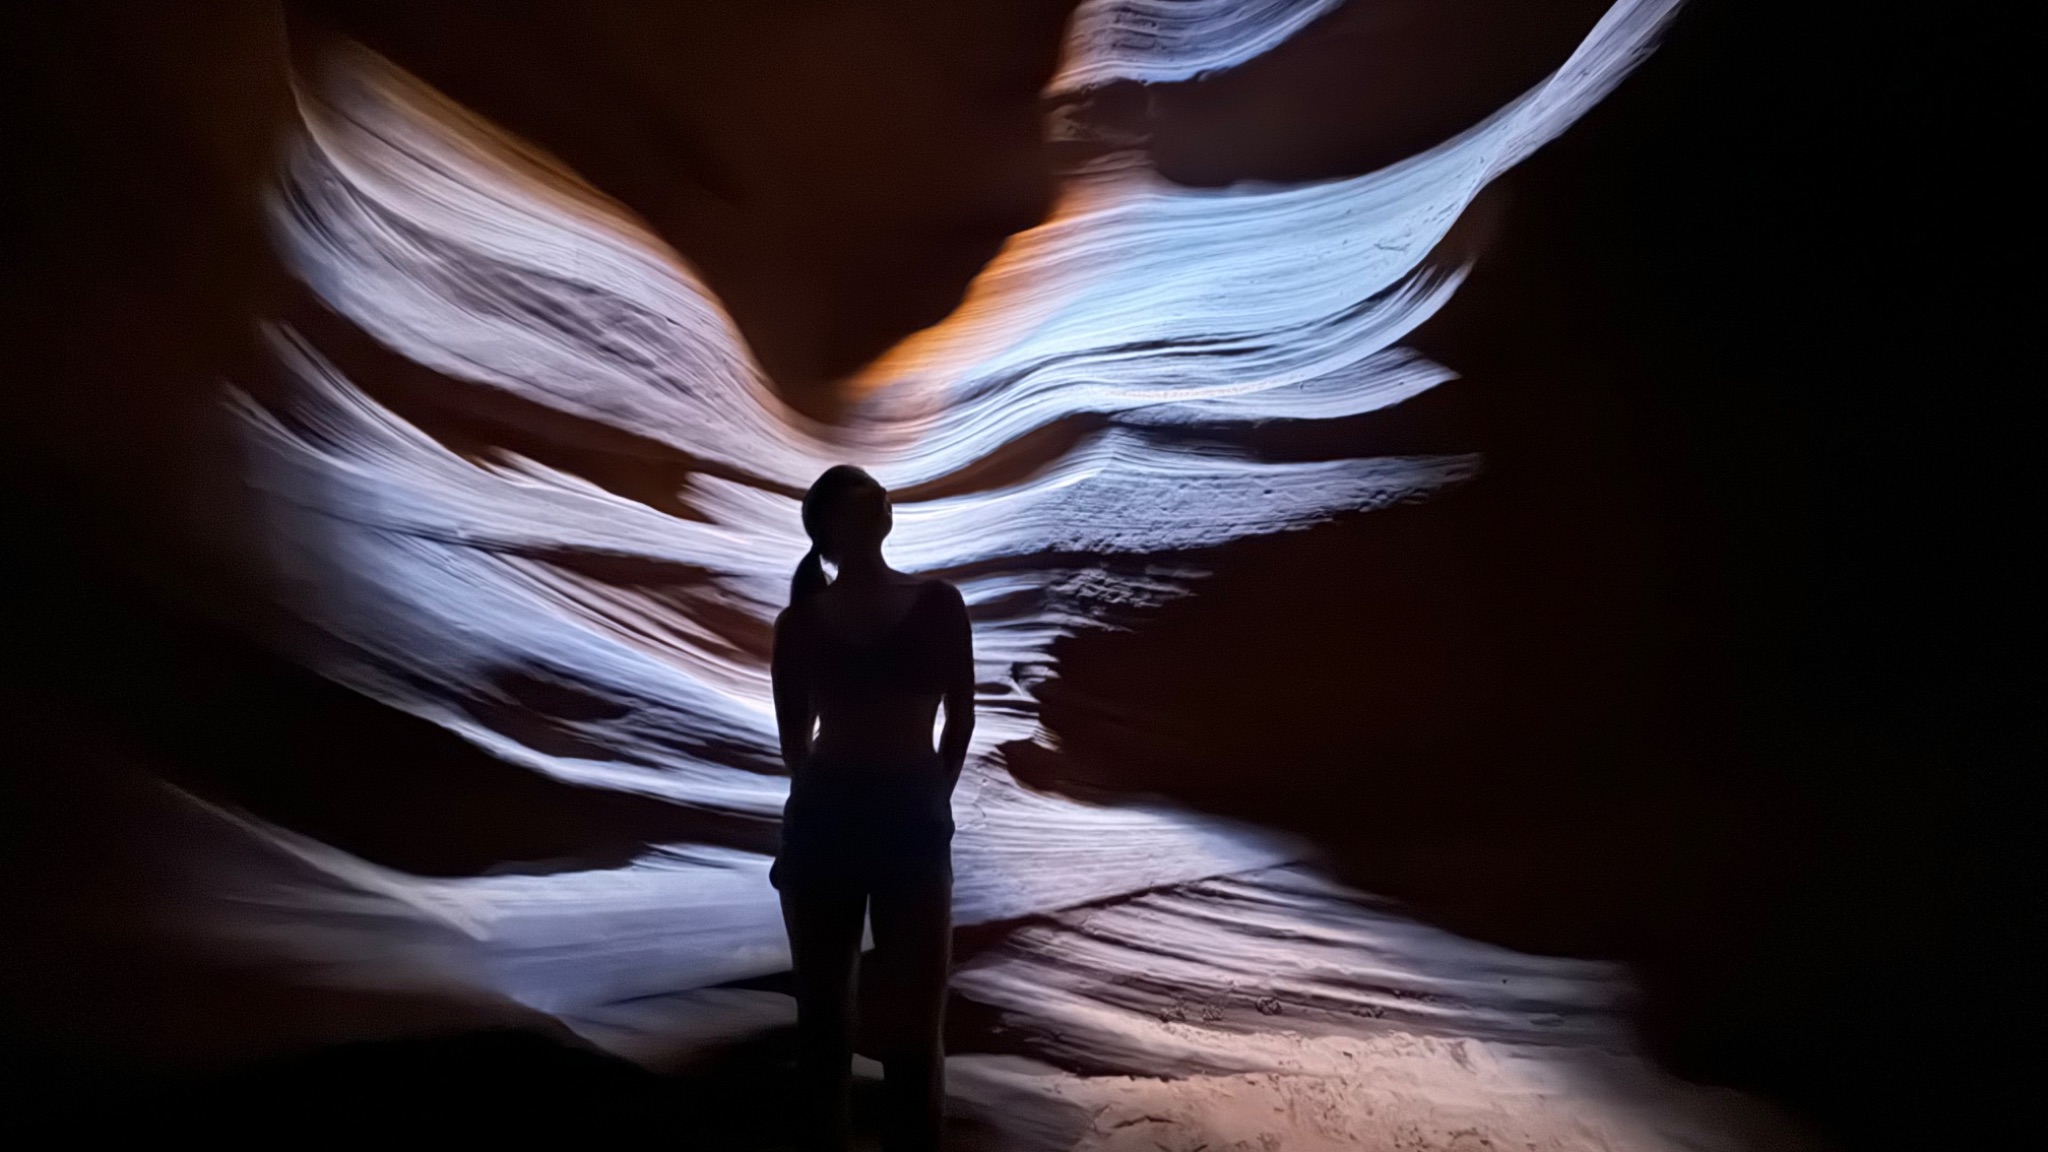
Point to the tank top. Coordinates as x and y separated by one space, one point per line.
903 660
859 821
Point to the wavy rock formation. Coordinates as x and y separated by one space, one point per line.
443 578
519 474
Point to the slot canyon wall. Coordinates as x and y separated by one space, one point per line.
1485 456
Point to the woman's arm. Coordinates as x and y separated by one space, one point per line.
958 641
796 717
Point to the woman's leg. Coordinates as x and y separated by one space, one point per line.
824 924
913 921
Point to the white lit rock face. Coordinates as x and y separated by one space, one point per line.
1154 41
438 576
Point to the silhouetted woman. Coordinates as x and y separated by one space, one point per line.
861 665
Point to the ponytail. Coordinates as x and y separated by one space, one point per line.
809 579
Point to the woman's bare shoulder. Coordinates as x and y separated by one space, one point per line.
943 604
939 589
792 620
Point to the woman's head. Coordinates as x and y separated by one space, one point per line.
846 514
